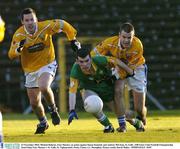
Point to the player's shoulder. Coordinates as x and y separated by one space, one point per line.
19 32
44 23
75 65
137 41
75 69
48 22
20 29
112 39
99 59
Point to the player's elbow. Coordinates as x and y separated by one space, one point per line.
11 56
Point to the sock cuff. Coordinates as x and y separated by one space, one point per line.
43 119
102 118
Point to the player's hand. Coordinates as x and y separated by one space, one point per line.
21 45
75 45
72 115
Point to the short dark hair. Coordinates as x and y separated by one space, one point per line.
27 11
127 27
83 52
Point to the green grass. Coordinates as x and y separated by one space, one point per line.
161 127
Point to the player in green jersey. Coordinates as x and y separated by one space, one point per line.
93 76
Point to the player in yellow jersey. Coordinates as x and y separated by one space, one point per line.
2 33
128 48
32 42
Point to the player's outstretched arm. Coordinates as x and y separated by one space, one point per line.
125 67
71 32
72 103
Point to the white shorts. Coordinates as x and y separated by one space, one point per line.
139 81
32 78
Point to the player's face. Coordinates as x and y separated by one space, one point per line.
126 39
30 22
84 63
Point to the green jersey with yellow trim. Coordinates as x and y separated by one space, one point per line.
100 81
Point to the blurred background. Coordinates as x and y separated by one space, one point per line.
156 22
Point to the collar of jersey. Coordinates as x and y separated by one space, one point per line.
94 66
29 33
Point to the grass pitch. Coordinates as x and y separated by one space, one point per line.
161 127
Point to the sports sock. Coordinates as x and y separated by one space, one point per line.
104 120
43 120
122 121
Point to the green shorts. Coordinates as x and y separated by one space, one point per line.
105 90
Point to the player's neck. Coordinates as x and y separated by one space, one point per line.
89 71
32 32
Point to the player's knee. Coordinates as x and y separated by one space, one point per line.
34 104
139 110
43 89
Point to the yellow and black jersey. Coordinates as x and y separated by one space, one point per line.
38 49
132 56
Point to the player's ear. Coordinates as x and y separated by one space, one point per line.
133 32
36 19
77 60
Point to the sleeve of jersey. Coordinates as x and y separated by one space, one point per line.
101 49
58 25
14 45
69 30
73 85
112 61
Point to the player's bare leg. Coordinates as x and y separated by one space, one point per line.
44 83
139 105
1 131
119 105
130 117
34 95
103 119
